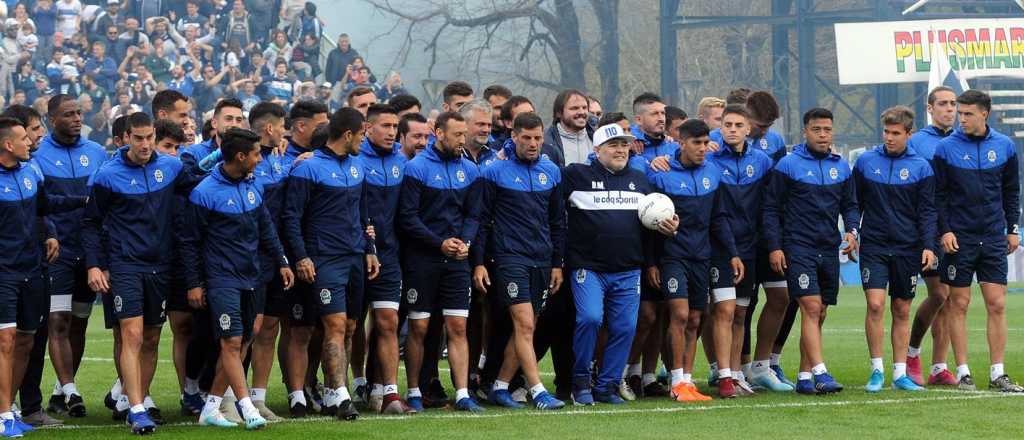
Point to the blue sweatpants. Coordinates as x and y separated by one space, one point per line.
612 298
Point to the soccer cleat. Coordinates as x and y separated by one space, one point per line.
875 382
546 401
191 404
655 389
436 391
9 429
109 401
696 393
155 415
41 418
905 383
255 422
298 410
713 377
216 419
416 403
119 416
361 395
824 383
375 402
610 396
1004 384
805 386
265 412
781 375
76 407
681 393
57 405
469 405
966 383
347 411
626 392
521 395
726 389
743 388
944 377
392 404
636 384
474 384
503 398
482 391
141 424
769 381
229 408
314 399
581 393
20 424
914 369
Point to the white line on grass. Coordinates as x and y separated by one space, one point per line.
672 409
167 361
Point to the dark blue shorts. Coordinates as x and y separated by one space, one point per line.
933 271
177 296
338 288
436 285
385 291
813 274
765 275
519 284
23 303
722 286
274 301
232 311
898 273
987 260
686 279
138 294
70 287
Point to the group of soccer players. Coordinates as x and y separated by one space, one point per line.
340 241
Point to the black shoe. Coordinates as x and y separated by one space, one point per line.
563 394
655 389
636 384
347 411
109 402
57 405
297 410
436 390
76 407
119 416
155 416
474 385
329 411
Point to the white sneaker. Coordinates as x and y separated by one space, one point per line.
626 392
743 388
519 395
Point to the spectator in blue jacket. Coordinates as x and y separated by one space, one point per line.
809 190
228 228
978 199
102 67
896 195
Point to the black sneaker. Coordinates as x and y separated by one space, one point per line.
57 405
966 384
1004 384
109 402
76 407
436 389
347 411
636 384
297 410
329 411
119 416
655 389
155 416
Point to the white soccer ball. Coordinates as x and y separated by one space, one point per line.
653 208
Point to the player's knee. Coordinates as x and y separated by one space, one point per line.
996 306
58 325
418 328
725 310
456 328
959 303
131 337
231 345
525 327
876 308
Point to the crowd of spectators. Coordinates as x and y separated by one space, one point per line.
114 55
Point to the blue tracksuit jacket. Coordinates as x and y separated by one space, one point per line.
896 196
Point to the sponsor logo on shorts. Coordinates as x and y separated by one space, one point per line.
412 295
673 285
804 281
513 290
297 311
581 276
715 274
325 296
951 272
163 308
865 274
913 283
225 321
118 303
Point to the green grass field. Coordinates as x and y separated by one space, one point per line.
937 413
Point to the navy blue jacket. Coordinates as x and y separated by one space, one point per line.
193 154
655 148
325 212
270 175
926 140
896 196
227 228
807 194
383 186
523 214
771 144
294 151
132 208
977 191
66 170
23 200
697 195
743 184
440 200
605 233
485 157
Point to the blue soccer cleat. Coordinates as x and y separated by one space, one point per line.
24 427
781 375
9 429
581 394
141 423
504 398
469 405
415 403
545 400
192 404
769 381
875 382
805 386
825 384
610 396
255 422
905 383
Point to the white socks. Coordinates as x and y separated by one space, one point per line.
259 394
499 385
899 369
390 389
804 375
876 364
461 393
819 369
759 367
962 370
913 351
296 397
633 370
774 358
359 381
678 377
413 392
536 390
138 409
724 373
69 389
377 389
212 406
648 378
938 368
995 371
116 390
249 411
